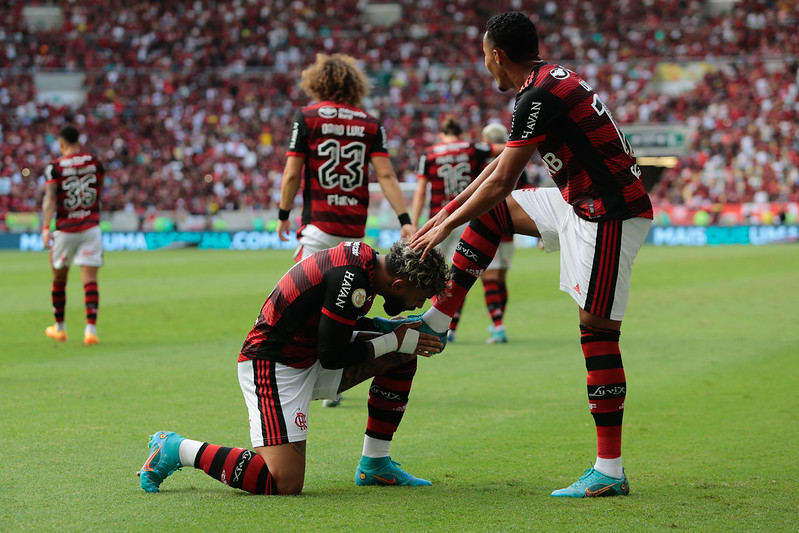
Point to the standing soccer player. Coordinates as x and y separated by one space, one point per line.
598 217
334 140
72 194
449 167
305 346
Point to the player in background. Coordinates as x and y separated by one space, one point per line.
494 278
598 216
334 140
448 167
72 194
306 345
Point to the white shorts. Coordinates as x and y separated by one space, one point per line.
312 240
448 246
84 248
596 258
278 396
503 257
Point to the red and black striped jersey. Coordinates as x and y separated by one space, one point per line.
336 141
587 155
80 182
336 282
450 168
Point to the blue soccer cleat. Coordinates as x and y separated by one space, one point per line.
384 471
498 336
163 460
385 325
593 484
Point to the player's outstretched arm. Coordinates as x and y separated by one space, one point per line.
484 196
292 177
389 184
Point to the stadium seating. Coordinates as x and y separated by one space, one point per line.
189 103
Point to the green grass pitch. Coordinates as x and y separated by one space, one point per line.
710 347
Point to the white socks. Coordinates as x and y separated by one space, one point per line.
372 447
437 320
609 467
59 326
91 328
188 451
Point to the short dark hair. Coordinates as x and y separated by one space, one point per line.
450 126
69 134
514 33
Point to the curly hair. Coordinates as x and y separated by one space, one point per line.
336 78
514 33
432 274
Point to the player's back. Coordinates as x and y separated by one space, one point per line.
450 167
79 178
337 141
332 282
585 152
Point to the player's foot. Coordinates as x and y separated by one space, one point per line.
498 336
450 336
332 403
593 484
54 333
163 460
90 338
385 325
384 471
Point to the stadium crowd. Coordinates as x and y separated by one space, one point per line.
189 103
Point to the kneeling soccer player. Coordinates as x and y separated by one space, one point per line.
305 346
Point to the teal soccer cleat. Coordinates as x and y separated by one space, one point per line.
384 471
163 460
385 325
498 336
593 484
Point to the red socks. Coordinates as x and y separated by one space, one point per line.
236 467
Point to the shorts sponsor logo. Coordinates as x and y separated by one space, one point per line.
301 421
577 289
559 73
344 291
358 297
532 118
328 112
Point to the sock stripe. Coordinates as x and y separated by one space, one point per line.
215 469
602 362
199 455
264 483
608 419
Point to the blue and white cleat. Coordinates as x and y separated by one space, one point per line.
163 460
498 336
385 471
385 325
593 484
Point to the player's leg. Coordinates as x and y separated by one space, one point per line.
276 465
388 398
474 253
447 249
496 298
596 261
91 299
62 252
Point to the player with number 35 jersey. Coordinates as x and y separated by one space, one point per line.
331 145
72 194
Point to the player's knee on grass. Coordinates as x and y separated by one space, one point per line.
286 464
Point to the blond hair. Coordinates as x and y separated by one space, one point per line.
336 78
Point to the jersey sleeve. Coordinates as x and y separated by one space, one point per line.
298 142
379 144
51 174
345 295
421 172
346 288
533 115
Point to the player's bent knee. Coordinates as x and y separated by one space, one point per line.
289 485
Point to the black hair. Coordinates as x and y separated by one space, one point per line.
69 134
450 126
515 34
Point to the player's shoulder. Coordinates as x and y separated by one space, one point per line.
549 79
354 253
